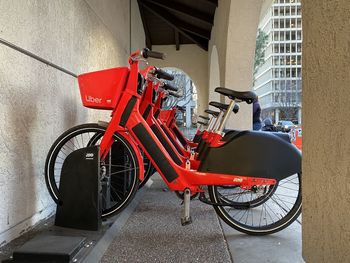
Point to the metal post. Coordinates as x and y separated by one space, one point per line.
226 116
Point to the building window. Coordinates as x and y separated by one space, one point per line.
294 74
299 23
282 35
275 24
299 60
275 73
293 45
282 60
287 35
292 10
275 11
287 48
293 35
276 60
287 11
275 36
298 10
288 72
281 23
275 48
299 72
282 48
298 35
299 47
281 11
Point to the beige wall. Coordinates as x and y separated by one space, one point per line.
38 102
326 133
193 61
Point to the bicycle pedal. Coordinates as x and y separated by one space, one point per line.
186 221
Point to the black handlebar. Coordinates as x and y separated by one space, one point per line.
174 94
169 87
146 53
161 74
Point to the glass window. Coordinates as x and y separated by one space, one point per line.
298 35
288 72
276 60
294 73
298 72
298 10
292 10
282 1
282 73
287 11
287 48
293 47
299 60
275 48
282 35
275 36
282 48
293 84
299 47
299 23
282 60
292 37
282 84
287 35
281 23
288 60
276 73
286 1
275 11
275 24
287 84
288 23
281 11
292 23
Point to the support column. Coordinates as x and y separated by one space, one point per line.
326 133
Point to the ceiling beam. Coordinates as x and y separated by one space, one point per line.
185 10
145 27
177 39
183 28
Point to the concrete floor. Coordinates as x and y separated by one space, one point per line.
149 230
153 234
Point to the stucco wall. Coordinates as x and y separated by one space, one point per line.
38 102
193 61
326 133
233 35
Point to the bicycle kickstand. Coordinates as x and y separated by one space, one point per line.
186 219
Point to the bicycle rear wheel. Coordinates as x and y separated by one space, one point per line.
119 171
270 214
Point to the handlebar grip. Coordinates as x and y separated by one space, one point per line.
146 53
174 94
164 75
169 87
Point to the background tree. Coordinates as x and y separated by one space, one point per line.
261 43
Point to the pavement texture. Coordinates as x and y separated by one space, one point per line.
153 233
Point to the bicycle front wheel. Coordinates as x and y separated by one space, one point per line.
119 174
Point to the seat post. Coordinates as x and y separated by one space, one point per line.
226 116
217 121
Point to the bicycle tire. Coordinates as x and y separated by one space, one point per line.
240 221
132 180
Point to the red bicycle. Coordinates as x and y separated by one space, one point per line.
238 162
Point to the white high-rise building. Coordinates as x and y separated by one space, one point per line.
278 79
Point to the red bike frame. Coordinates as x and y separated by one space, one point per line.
127 119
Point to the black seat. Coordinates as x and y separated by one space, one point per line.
223 106
180 108
214 113
204 117
203 123
247 96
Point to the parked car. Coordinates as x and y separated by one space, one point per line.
284 126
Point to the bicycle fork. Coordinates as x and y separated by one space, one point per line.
186 219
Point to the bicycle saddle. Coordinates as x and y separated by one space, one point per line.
214 113
203 123
223 106
247 96
204 117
